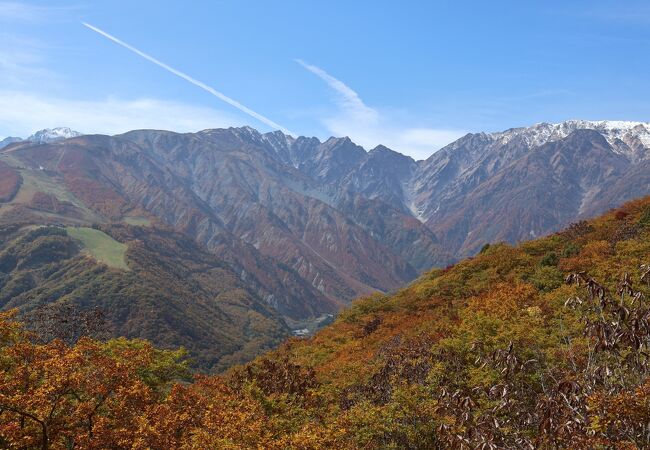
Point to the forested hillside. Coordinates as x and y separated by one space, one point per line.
543 345
150 283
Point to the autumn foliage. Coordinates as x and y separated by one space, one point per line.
10 181
544 345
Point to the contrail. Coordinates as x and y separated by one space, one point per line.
350 100
195 82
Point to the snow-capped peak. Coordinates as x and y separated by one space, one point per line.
625 137
52 135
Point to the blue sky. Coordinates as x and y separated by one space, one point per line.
411 75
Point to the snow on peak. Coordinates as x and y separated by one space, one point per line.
625 136
52 135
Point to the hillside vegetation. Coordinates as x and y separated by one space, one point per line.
173 293
543 345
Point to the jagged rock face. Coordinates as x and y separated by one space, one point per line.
383 174
540 192
278 210
511 186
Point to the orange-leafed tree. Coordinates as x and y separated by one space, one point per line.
89 395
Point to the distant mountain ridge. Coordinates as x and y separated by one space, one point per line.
448 192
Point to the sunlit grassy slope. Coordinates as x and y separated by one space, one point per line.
101 246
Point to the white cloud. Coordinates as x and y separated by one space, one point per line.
22 113
370 127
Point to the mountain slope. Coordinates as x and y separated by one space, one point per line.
541 191
547 176
453 179
9 140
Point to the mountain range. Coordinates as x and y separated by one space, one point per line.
308 225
